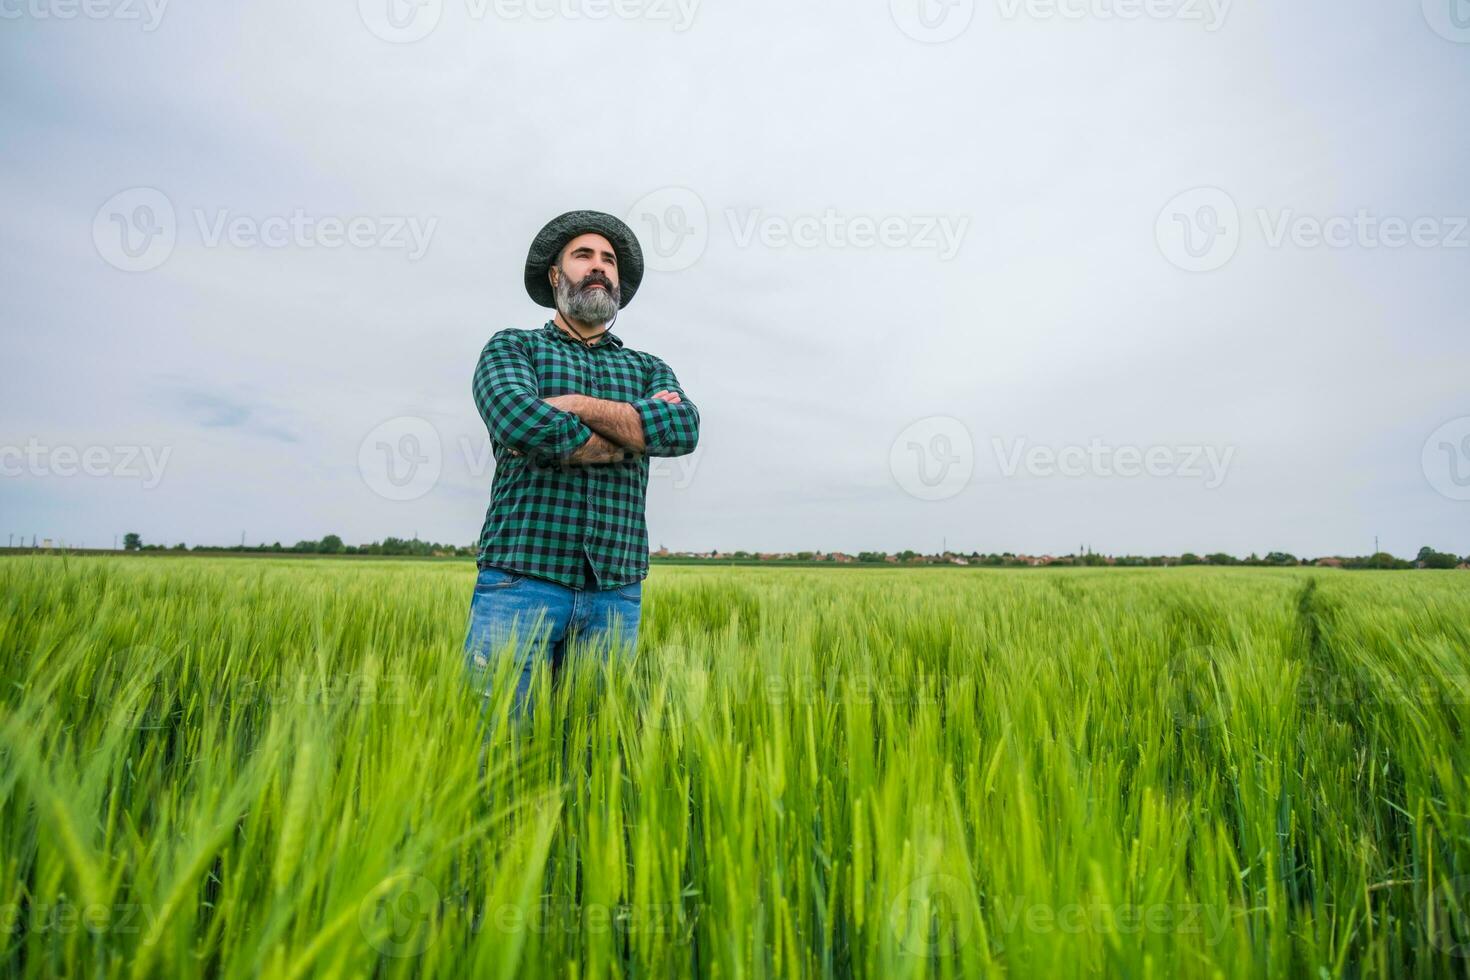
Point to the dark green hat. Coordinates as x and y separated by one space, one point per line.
553 238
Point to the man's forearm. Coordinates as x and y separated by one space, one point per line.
597 450
615 421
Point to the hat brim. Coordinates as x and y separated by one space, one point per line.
550 240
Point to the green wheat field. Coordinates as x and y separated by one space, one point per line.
247 767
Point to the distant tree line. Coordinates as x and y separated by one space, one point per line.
331 544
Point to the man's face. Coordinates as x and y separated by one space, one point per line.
585 279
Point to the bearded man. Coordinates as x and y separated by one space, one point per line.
573 416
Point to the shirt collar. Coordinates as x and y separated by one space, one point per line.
607 339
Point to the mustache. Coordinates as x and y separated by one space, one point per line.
594 279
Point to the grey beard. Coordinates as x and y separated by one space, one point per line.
594 306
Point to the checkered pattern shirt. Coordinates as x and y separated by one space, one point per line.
578 525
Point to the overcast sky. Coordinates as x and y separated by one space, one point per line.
1006 274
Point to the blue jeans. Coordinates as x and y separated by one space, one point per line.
547 620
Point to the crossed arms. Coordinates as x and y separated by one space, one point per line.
574 429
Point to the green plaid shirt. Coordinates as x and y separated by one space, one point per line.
578 525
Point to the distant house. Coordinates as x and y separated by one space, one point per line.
1328 562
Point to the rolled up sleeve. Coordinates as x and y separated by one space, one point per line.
506 395
668 430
